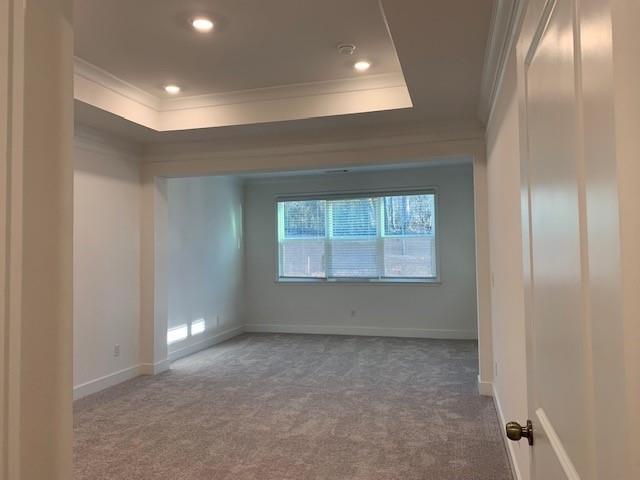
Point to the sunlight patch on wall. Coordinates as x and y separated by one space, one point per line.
197 326
177 334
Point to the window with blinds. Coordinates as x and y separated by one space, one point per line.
358 237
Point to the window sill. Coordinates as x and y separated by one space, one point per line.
322 281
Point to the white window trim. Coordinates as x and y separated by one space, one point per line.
345 194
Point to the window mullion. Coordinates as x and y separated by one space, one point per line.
380 236
280 227
328 238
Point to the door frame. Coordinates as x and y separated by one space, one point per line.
36 83
11 155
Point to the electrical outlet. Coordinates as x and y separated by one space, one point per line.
218 320
116 350
353 313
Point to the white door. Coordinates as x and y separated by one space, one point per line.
560 388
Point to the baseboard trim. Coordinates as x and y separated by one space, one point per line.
113 379
155 368
94 386
205 343
363 331
515 470
485 388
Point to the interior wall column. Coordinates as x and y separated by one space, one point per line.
483 273
154 274
36 244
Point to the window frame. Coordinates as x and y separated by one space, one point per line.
351 194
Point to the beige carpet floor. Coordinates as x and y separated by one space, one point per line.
298 407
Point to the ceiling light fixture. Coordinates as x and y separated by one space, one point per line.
172 89
362 65
202 24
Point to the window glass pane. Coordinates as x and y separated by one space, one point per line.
302 258
409 215
305 219
354 218
410 257
354 232
409 241
302 238
375 237
354 258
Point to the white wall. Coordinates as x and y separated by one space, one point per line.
106 260
205 258
507 293
445 310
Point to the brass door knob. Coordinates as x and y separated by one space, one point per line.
515 431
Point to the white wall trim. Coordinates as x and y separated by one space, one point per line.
101 89
95 74
311 89
205 343
115 378
509 445
505 27
483 268
106 381
363 331
155 368
168 152
485 388
198 160
11 159
557 446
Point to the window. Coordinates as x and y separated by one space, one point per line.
359 237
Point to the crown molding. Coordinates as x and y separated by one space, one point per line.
506 20
407 152
95 74
421 134
101 89
371 82
445 144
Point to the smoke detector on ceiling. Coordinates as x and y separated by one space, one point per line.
346 49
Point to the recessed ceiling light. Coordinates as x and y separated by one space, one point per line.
362 66
172 89
202 24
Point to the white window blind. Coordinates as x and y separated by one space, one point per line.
362 237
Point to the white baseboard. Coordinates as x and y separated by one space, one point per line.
107 381
363 331
94 386
155 368
205 343
485 388
510 446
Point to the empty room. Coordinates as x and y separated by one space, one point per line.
319 240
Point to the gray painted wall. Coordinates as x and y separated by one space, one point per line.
447 309
205 255
106 261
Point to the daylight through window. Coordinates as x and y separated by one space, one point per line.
373 237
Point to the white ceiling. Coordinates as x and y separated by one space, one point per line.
256 43
440 46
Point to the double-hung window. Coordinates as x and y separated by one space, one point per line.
366 237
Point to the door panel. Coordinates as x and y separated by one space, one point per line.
560 376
